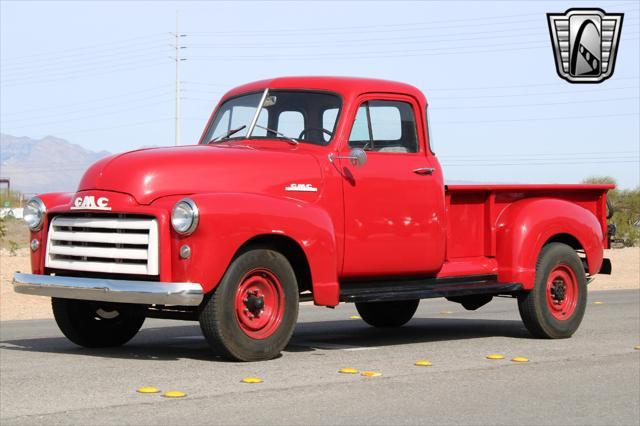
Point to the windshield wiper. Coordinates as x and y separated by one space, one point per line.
292 141
229 133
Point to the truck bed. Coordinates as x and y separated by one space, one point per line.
473 212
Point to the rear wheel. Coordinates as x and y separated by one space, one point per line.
252 313
96 324
556 305
387 314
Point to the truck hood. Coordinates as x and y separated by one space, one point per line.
149 174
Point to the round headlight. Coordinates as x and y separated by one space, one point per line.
184 216
34 212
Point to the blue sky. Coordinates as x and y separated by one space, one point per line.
99 74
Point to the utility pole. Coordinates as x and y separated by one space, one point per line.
177 58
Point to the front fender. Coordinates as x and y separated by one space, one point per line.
526 225
228 220
52 201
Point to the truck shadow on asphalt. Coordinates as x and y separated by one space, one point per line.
172 343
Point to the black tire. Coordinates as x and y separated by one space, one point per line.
219 318
387 314
535 310
96 324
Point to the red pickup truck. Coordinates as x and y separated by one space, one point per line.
305 188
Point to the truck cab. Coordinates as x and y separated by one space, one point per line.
305 188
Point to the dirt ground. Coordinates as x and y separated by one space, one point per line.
626 275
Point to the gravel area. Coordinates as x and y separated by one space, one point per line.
626 275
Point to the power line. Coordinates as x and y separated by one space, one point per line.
584 101
95 129
541 118
589 89
80 75
58 53
456 89
412 39
55 66
82 71
119 111
89 101
383 28
518 95
376 54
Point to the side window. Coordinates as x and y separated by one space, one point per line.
291 123
360 137
391 127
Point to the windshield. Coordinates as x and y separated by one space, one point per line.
303 116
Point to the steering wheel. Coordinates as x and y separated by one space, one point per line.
303 132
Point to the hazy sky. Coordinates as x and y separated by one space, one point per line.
99 74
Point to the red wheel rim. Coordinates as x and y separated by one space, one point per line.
259 303
562 292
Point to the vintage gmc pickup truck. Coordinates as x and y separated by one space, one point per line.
313 188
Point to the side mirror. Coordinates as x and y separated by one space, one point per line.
357 156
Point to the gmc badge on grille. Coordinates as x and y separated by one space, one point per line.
89 202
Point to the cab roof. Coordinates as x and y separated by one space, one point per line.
347 87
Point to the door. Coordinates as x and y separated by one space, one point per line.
394 203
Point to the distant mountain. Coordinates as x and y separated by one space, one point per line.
44 165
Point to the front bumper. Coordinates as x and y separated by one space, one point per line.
107 290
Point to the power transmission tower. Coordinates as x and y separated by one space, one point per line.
178 59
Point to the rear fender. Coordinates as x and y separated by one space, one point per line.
527 225
227 221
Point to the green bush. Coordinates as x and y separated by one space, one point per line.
626 217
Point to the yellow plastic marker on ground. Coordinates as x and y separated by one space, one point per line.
348 371
520 359
371 374
495 356
637 347
598 303
423 363
354 317
174 394
147 389
251 380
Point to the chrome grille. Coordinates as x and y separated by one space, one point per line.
119 245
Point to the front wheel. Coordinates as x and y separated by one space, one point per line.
96 324
554 308
251 315
387 314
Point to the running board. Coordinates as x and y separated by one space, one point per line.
423 288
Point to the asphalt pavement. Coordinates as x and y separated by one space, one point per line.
592 378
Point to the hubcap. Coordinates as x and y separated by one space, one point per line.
562 292
107 314
259 303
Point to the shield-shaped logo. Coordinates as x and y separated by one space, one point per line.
585 43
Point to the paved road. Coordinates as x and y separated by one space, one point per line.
593 378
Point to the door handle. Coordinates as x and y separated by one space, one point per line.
424 171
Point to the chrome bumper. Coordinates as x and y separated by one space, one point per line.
106 290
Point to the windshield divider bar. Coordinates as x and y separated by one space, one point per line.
255 117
